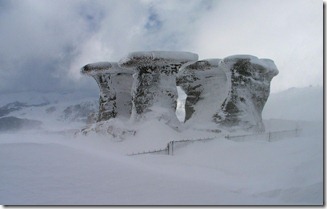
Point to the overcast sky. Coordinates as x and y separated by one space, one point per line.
44 43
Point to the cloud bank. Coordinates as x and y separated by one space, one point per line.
44 43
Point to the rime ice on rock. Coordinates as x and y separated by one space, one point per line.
206 87
249 89
115 86
222 95
154 90
230 92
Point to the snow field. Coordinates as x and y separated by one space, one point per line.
53 169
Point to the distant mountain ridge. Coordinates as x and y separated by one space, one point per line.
13 124
54 111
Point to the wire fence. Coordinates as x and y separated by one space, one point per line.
169 149
159 151
269 136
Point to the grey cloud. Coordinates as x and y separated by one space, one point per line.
44 43
37 40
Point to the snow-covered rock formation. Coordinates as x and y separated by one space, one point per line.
154 91
222 95
115 86
230 92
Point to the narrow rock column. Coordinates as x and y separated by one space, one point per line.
250 79
115 86
206 87
154 91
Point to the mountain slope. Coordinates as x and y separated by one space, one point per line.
300 104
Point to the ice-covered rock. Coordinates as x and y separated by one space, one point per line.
115 86
154 91
206 87
248 92
227 94
230 93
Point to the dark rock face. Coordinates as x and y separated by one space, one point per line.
250 79
115 86
154 88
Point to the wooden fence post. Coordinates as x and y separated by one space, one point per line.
170 147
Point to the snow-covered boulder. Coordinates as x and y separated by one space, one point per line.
248 90
115 85
154 91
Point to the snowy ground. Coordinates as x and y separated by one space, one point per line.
50 168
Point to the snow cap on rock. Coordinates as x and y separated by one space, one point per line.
268 65
199 66
103 67
145 58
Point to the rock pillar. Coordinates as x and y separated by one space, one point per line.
249 89
115 86
206 87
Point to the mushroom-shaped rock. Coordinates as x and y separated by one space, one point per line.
248 92
154 91
115 86
206 87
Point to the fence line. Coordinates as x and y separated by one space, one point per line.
160 151
172 145
270 136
